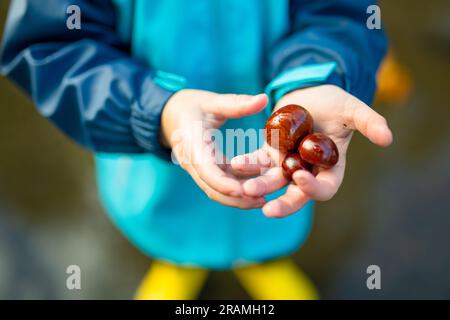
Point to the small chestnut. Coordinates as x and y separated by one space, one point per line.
293 162
319 150
287 127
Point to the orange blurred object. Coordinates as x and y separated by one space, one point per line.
394 82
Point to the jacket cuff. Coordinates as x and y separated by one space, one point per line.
301 77
147 109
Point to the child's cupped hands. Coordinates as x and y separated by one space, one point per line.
337 114
187 127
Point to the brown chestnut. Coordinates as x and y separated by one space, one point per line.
292 123
293 162
319 150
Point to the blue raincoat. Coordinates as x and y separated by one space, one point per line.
106 84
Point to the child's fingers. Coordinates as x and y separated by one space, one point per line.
326 183
321 188
212 175
208 170
267 183
252 163
234 105
367 121
289 203
257 162
237 202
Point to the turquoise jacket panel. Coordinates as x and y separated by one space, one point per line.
156 203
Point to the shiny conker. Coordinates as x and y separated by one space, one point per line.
319 150
293 123
293 162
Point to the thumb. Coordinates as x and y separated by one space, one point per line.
235 105
369 122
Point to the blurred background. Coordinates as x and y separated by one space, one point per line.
392 211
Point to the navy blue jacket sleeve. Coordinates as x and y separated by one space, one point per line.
84 80
332 31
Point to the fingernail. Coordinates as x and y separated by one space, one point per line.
300 179
262 201
268 211
238 160
296 176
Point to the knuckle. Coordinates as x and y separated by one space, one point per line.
183 166
244 206
209 194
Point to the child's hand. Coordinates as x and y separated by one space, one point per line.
337 114
187 120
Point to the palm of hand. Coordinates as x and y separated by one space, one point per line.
336 114
187 123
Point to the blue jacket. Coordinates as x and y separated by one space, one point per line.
106 84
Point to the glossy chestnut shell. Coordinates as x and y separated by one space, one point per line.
292 163
319 150
292 123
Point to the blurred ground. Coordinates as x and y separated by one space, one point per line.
393 209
